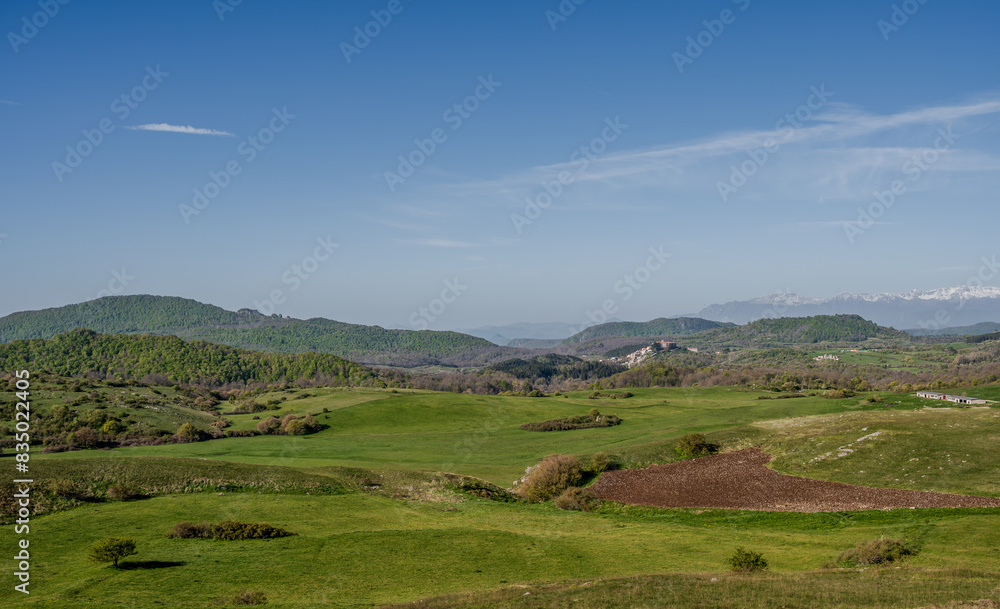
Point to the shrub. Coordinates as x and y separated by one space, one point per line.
112 550
875 552
123 492
576 499
113 427
250 597
695 445
231 530
584 421
295 427
187 433
601 462
269 425
747 561
227 530
551 477
191 530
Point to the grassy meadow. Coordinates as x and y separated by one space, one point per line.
376 524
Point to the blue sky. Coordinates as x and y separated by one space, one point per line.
660 119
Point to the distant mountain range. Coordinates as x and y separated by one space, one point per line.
933 309
504 335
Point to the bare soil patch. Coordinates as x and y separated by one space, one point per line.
742 480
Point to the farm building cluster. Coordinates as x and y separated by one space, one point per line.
958 399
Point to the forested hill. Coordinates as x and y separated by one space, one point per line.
168 359
123 315
789 330
248 329
678 326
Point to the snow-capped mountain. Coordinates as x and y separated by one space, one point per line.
914 309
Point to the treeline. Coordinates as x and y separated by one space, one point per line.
554 365
168 360
657 327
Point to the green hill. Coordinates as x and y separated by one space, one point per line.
246 328
798 330
677 326
168 359
986 327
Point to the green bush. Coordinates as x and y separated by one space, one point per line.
695 445
551 477
112 550
584 421
601 462
227 530
191 530
875 552
576 499
747 561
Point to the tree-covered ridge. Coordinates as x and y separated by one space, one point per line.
678 326
552 365
324 335
798 330
169 359
245 329
122 315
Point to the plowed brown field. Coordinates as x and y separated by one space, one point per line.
742 480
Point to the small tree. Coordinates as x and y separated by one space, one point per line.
551 477
747 560
112 550
187 433
695 445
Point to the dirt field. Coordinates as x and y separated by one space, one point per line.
741 480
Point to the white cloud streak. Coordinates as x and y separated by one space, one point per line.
178 129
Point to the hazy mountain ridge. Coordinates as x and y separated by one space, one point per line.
929 309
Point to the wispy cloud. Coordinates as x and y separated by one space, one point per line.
178 129
8 102
438 242
831 148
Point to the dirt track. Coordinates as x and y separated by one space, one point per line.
741 480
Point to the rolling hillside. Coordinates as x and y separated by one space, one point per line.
678 326
799 330
247 329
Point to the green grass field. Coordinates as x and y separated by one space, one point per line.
372 530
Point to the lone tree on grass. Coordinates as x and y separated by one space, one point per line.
695 445
747 561
112 550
